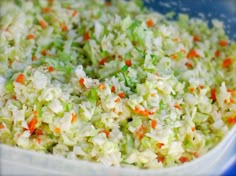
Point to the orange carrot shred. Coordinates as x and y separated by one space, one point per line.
159 145
43 24
86 36
150 23
140 132
161 159
102 86
196 38
50 69
213 94
217 53
178 107
74 13
73 117
232 120
153 124
193 129
81 81
183 159
189 65
113 89
46 9
128 63
20 78
226 62
121 95
192 54
30 36
2 126
223 43
44 52
117 100
57 130
32 125
231 91
34 58
64 28
103 61
107 133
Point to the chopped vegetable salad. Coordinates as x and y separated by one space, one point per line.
113 82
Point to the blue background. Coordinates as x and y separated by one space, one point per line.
225 10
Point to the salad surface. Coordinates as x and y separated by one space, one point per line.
113 82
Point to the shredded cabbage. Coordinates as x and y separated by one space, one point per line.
114 82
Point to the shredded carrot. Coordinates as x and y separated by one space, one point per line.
193 129
50 69
38 132
213 94
117 100
153 124
44 52
107 133
191 89
50 1
113 89
196 154
35 113
121 95
140 132
38 139
161 159
14 97
200 86
189 65
232 120
150 23
86 36
102 61
102 86
46 9
231 91
226 62
183 159
183 51
175 39
128 63
57 130
192 54
152 95
196 38
30 36
178 107
217 53
34 58
81 81
73 117
32 125
159 145
108 3
2 126
231 100
74 13
223 43
142 112
174 56
64 28
20 78
43 24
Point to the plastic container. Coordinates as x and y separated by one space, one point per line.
15 161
